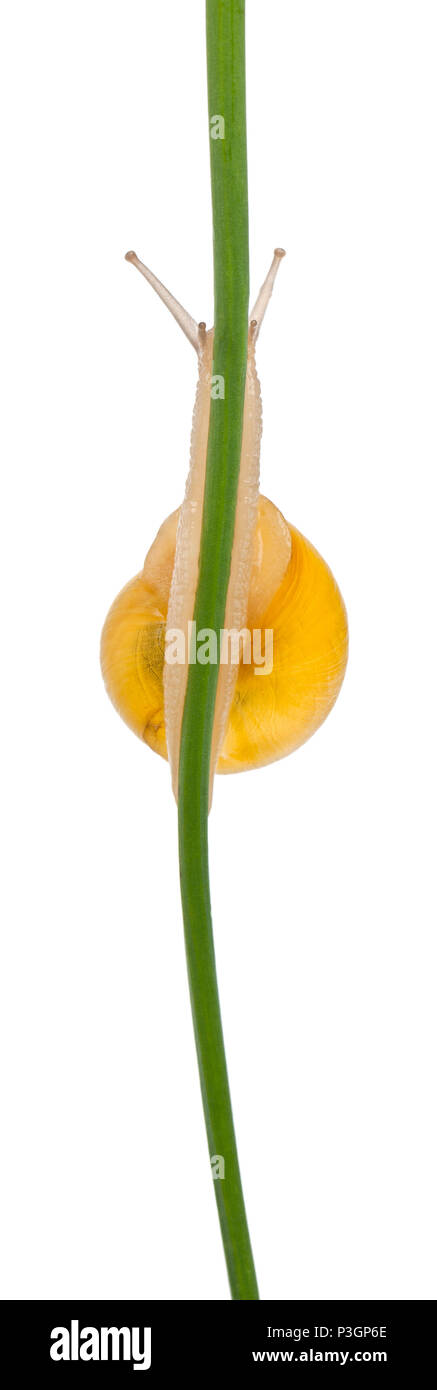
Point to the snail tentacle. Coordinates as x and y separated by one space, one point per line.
183 318
257 314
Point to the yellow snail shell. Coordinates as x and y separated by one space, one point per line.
278 583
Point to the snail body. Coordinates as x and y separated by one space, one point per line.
280 592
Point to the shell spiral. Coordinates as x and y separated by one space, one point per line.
292 593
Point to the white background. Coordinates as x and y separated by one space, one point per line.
322 865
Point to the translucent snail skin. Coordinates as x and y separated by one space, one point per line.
278 584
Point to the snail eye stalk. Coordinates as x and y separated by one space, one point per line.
188 325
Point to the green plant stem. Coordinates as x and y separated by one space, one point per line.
225 30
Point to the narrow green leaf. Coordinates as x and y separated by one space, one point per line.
225 31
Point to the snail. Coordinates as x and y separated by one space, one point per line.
279 584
